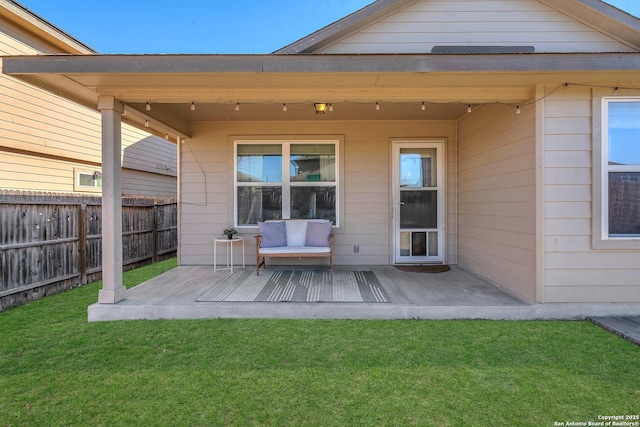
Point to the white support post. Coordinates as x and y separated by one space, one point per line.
112 289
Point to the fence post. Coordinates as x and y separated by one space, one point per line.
154 238
82 243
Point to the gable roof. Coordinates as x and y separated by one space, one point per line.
41 29
604 18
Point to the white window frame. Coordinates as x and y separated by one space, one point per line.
286 179
76 180
601 168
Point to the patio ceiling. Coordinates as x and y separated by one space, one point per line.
262 84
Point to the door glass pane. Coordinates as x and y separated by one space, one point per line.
312 163
433 243
624 203
419 243
419 209
405 243
259 204
259 163
418 167
313 203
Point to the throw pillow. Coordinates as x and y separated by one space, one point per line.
273 234
318 233
296 232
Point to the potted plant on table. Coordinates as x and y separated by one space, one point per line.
229 232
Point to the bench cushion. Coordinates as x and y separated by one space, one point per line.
294 250
273 234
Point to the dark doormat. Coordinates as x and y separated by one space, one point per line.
423 268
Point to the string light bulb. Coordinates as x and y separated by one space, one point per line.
166 136
146 123
237 106
377 106
424 107
518 109
615 91
148 107
469 108
330 107
193 106
284 107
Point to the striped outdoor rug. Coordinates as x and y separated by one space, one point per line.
298 286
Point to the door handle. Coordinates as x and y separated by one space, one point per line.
400 203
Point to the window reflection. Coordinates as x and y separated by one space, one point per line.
624 133
418 168
259 163
259 204
309 188
313 203
313 163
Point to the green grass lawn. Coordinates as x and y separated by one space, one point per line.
58 369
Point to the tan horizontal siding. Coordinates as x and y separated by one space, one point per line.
496 200
62 136
573 270
13 42
594 294
20 172
207 183
422 25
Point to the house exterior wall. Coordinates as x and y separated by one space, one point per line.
206 180
575 271
497 196
44 139
425 24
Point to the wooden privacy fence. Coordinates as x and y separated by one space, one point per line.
51 242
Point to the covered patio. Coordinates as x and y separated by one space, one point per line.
455 294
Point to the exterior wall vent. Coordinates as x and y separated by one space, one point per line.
482 49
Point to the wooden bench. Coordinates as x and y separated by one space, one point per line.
295 243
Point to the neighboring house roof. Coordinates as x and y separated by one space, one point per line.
602 17
60 41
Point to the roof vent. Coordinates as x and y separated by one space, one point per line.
482 49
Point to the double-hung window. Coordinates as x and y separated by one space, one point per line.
621 168
290 180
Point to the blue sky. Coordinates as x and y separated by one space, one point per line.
201 26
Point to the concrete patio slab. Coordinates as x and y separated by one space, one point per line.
456 294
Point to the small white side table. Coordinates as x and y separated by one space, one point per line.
229 246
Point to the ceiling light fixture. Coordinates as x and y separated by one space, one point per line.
320 107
